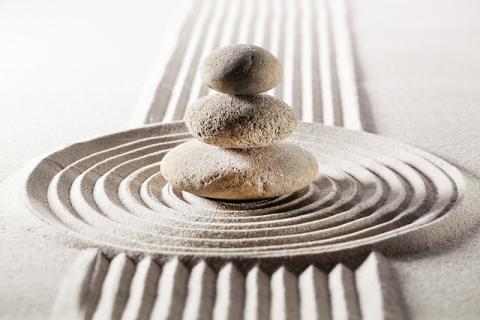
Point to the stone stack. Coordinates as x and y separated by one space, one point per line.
237 154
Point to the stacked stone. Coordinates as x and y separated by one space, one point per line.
237 154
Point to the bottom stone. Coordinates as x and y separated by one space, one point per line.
239 174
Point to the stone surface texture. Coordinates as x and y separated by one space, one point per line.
239 174
238 157
241 70
240 121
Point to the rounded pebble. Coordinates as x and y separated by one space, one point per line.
239 174
241 69
240 121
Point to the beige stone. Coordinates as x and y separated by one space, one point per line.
241 69
236 174
240 121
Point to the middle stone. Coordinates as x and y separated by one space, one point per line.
240 121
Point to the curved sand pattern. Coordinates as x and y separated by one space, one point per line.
371 191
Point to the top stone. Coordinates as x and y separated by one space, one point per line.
241 70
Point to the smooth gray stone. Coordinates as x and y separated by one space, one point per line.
241 69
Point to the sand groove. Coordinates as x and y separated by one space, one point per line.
109 191
343 294
312 294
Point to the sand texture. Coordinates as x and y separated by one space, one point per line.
173 290
370 192
417 78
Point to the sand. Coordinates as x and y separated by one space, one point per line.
434 283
